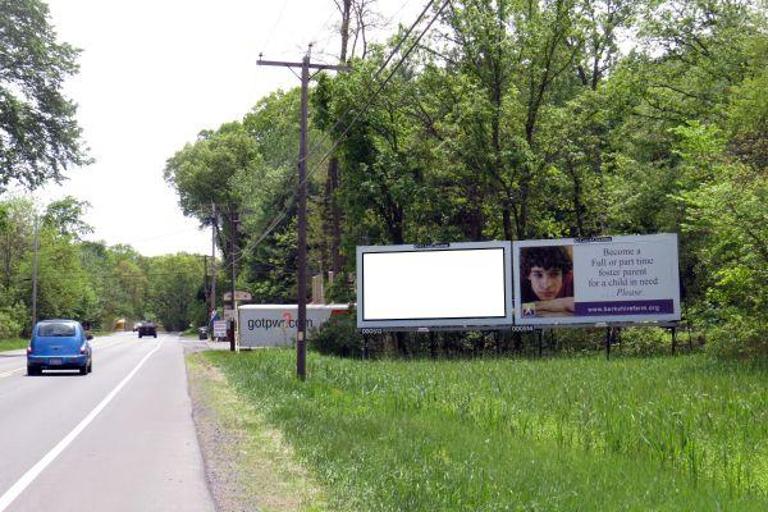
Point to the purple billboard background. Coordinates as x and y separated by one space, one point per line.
626 307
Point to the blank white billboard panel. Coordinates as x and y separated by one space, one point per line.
461 284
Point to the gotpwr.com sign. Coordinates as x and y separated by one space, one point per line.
266 325
286 323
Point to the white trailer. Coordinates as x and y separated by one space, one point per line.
274 325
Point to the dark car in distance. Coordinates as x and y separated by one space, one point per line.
147 329
59 345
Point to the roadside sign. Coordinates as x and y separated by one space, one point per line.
239 296
270 325
229 314
220 329
597 280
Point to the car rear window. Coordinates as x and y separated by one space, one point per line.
56 329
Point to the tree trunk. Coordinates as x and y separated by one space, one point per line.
506 215
333 212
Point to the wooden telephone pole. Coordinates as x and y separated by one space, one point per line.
214 224
301 260
35 264
234 220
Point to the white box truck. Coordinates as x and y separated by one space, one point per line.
274 325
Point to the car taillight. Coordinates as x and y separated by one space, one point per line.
83 348
29 349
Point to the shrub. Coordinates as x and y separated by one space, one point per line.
577 340
338 336
341 290
11 321
645 341
739 337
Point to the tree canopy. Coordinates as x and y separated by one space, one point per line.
39 135
513 120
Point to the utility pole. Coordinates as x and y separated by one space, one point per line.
301 259
34 271
206 292
205 275
214 222
233 227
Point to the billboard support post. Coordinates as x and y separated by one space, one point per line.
541 335
608 343
674 339
433 346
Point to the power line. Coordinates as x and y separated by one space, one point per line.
322 28
326 136
378 72
397 13
302 206
370 101
275 24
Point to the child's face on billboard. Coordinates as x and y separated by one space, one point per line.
546 283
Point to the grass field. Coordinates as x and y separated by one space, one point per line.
13 344
676 433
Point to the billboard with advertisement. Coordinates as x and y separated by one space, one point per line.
274 325
437 286
607 279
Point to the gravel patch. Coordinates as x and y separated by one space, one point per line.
249 467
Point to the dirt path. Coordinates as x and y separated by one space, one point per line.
248 465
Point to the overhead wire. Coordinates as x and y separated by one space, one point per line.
370 100
322 29
274 25
375 76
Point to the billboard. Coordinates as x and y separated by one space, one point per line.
607 279
437 286
274 325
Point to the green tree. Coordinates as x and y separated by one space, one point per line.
66 216
63 285
118 276
205 175
383 159
174 283
266 192
16 232
15 243
40 136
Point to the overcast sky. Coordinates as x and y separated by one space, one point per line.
154 73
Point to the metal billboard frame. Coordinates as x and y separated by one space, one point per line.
437 323
604 320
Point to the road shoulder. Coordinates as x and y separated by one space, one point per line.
248 464
12 346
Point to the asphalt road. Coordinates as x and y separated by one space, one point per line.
119 439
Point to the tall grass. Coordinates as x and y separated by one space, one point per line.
570 434
13 344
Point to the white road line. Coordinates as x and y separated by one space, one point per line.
115 344
22 483
8 374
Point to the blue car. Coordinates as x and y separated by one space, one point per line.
59 345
